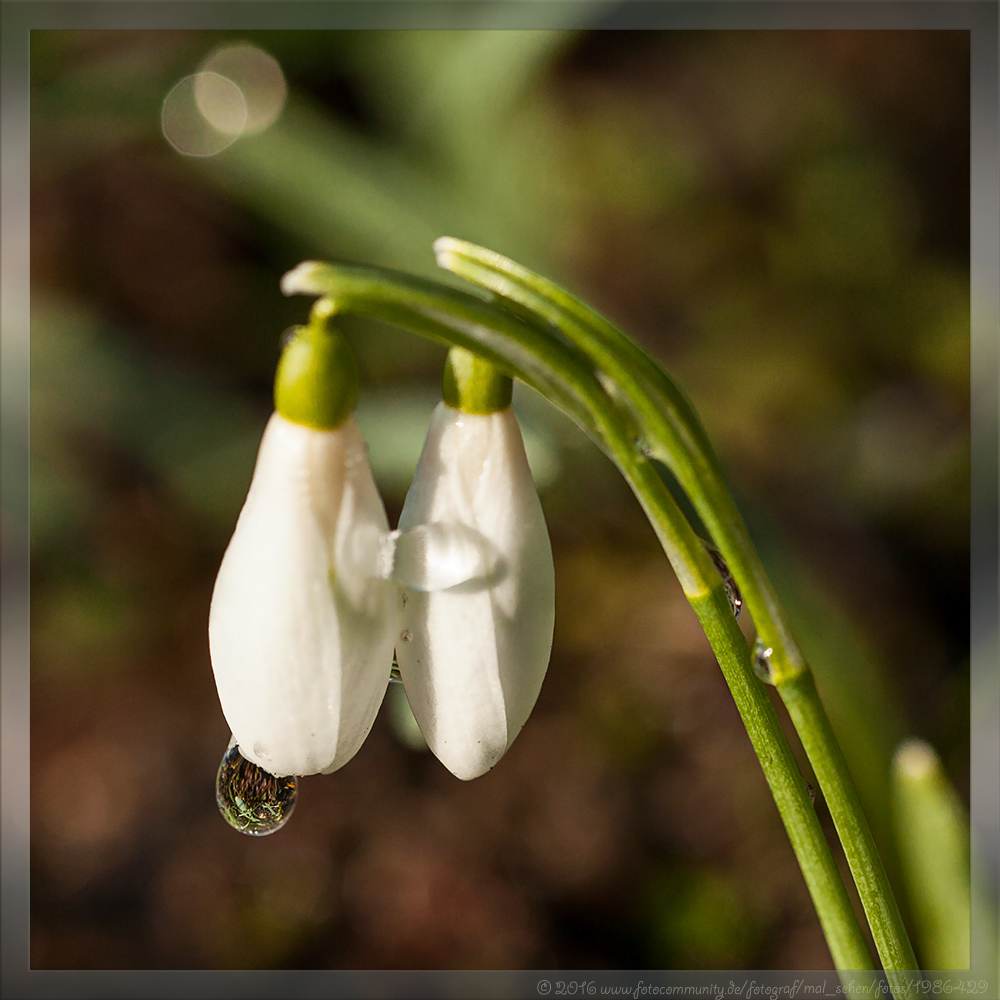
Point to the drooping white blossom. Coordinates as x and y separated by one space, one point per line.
473 654
302 622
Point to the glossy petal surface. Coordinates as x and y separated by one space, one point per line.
301 627
475 655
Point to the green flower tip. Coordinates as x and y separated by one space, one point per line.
473 385
316 384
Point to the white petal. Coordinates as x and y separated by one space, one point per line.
301 628
473 657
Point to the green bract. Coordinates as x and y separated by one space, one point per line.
473 385
316 384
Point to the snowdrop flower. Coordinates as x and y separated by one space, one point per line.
473 551
302 623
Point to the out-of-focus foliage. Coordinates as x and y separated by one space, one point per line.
933 833
781 218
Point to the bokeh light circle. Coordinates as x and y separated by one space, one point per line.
259 78
187 126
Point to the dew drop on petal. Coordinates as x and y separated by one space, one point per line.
762 661
250 799
405 635
728 581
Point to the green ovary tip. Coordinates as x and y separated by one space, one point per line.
473 385
316 384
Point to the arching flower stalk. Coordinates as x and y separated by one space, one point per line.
478 601
303 617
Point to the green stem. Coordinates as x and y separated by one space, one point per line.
811 723
788 788
676 436
791 795
562 373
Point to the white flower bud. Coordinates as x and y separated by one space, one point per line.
302 625
473 657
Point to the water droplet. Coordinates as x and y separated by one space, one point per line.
250 799
259 750
728 581
762 661
406 635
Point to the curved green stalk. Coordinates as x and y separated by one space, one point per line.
675 435
520 347
667 420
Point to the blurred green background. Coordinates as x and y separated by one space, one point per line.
782 218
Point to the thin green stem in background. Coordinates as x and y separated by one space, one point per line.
558 370
933 834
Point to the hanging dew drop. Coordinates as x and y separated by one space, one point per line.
762 661
250 799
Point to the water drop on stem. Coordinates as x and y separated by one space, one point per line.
728 581
762 661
